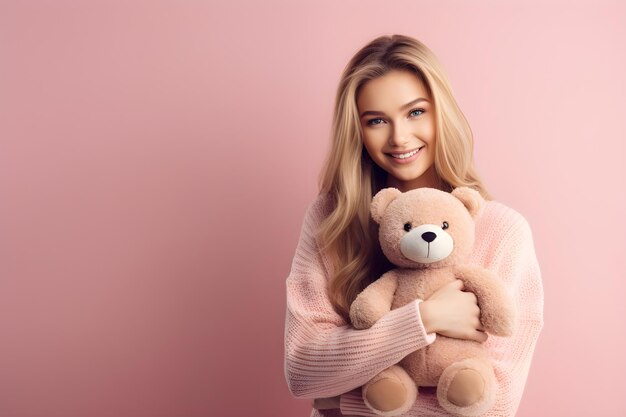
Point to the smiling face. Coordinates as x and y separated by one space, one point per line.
397 118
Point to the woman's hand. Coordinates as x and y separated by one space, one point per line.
452 312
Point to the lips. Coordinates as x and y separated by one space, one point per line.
395 154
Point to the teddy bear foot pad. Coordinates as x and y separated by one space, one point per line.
467 387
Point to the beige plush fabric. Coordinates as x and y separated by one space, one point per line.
325 356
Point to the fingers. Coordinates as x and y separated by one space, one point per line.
470 295
476 311
457 283
477 324
480 336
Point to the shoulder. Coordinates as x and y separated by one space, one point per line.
500 226
496 217
316 211
319 208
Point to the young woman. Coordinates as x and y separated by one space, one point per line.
396 124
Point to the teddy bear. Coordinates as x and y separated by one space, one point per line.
428 234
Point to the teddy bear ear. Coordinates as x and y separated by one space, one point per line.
380 202
471 199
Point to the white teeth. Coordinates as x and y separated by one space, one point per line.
405 155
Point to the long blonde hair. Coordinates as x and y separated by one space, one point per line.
350 178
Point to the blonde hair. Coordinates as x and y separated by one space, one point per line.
350 178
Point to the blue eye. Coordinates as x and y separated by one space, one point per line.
369 122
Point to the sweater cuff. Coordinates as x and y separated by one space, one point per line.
351 403
429 337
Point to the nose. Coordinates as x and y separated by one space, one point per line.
429 236
399 135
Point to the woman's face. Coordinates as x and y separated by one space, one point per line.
397 119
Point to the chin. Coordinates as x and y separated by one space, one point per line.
411 176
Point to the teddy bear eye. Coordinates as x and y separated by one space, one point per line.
445 225
407 226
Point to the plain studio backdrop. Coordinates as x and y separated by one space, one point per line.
157 158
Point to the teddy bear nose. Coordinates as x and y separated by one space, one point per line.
429 236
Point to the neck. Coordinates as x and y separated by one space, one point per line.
427 179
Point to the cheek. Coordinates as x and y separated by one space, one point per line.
429 131
373 142
368 148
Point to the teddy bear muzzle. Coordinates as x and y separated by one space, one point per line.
426 243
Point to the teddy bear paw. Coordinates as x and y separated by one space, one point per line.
392 393
467 388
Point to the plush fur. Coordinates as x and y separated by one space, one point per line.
428 254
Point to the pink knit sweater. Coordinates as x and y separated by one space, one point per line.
325 356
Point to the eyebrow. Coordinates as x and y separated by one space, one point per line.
380 113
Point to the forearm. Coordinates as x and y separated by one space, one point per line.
331 361
511 358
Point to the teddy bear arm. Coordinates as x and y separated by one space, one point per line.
374 301
497 307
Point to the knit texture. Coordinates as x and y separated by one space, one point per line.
325 356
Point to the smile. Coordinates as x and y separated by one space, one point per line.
405 156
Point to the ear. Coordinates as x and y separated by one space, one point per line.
471 199
380 202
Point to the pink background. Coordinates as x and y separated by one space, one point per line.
156 159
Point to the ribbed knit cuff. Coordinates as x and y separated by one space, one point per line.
403 332
351 403
429 337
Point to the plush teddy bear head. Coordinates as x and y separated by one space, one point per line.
426 227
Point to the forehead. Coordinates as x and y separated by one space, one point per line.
390 91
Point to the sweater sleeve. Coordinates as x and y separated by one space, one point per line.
515 262
324 355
